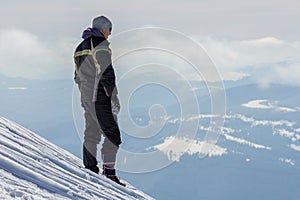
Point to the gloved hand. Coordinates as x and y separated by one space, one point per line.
115 105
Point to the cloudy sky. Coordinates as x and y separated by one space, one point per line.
259 38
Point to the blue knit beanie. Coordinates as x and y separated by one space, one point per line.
101 23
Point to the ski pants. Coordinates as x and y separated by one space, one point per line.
100 120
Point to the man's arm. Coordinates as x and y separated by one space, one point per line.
105 71
106 75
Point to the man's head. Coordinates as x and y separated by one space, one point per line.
103 24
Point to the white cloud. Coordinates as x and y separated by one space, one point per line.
267 60
295 147
242 141
296 137
287 161
255 122
262 104
284 132
17 88
159 46
266 41
265 104
225 131
26 55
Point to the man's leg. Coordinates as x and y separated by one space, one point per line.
92 136
111 132
108 154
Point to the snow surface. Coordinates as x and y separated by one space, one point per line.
33 168
174 148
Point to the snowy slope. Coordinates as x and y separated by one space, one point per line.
33 168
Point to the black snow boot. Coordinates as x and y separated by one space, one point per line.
116 179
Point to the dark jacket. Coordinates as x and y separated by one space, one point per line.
93 68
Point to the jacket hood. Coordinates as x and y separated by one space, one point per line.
89 32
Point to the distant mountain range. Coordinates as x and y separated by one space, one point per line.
256 156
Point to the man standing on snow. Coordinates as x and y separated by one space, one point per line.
95 77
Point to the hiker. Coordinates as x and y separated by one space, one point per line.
96 80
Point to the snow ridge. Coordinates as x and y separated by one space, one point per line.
33 168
